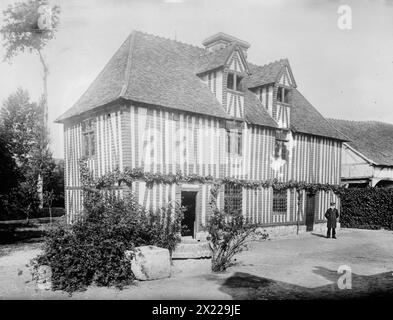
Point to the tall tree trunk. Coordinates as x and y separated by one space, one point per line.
40 183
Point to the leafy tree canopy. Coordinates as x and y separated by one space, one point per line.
8 169
21 123
26 140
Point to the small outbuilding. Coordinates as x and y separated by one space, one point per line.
367 158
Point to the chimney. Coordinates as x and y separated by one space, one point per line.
221 40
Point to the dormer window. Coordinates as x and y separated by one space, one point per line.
234 82
283 95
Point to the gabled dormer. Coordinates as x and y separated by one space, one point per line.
273 84
223 69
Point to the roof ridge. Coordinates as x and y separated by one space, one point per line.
270 63
59 118
335 119
361 121
168 39
131 39
256 66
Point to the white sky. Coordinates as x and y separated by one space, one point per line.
345 74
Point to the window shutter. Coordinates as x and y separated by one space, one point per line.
92 144
228 141
240 142
284 152
85 145
277 149
234 142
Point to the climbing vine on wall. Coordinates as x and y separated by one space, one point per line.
117 178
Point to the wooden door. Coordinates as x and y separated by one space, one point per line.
310 211
188 200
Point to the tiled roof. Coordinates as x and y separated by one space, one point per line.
255 112
268 73
105 88
306 119
163 72
214 60
151 70
373 139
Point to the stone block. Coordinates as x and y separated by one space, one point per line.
44 275
149 262
192 250
202 236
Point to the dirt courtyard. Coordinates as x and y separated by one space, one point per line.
297 267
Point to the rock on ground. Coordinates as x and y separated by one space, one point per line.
44 275
150 262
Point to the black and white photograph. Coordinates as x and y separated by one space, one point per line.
196 150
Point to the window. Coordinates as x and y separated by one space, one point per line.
238 83
282 95
280 150
234 82
230 81
234 142
88 135
279 201
233 198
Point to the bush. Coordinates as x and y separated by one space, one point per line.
368 208
228 233
92 249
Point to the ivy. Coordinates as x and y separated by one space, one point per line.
128 176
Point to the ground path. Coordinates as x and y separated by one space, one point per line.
303 266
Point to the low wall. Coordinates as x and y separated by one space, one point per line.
290 230
281 231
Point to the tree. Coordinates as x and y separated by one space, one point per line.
228 233
48 200
21 126
55 181
9 174
29 26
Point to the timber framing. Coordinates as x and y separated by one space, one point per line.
163 107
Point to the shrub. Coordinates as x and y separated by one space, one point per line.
367 208
228 233
92 249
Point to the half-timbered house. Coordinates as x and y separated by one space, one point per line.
166 106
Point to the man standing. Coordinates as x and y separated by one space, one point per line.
331 215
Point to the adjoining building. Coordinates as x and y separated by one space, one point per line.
367 158
166 106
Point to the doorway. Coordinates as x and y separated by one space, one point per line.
188 200
310 212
